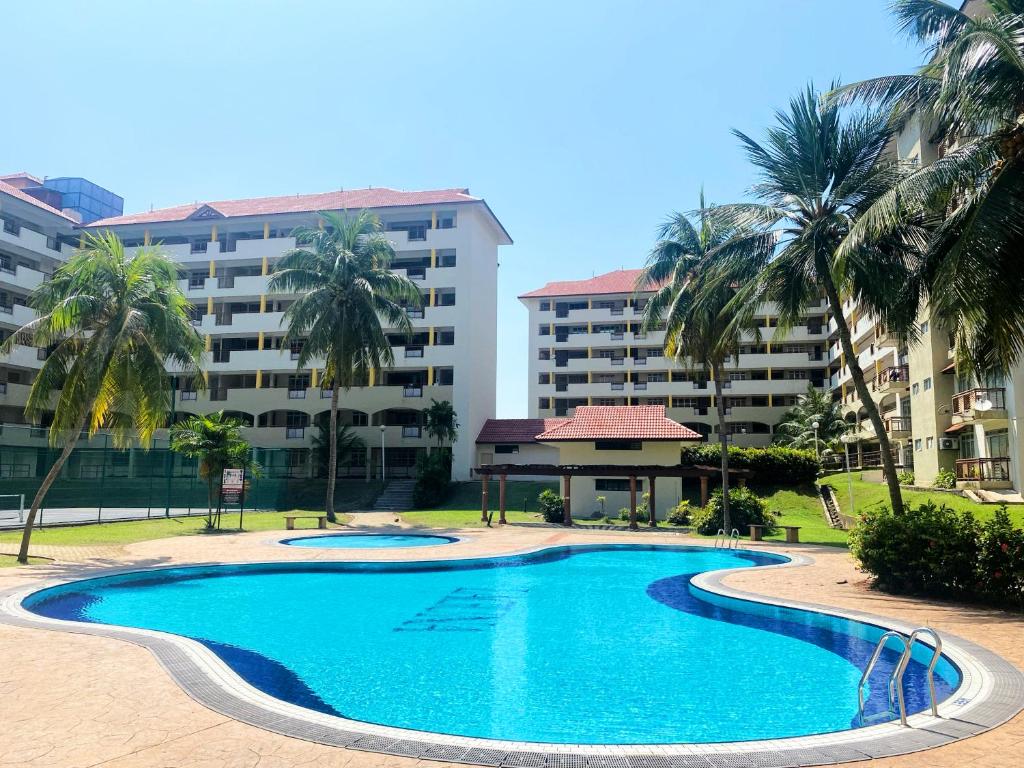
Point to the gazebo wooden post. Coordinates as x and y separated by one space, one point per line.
632 504
483 497
704 490
567 499
652 515
501 499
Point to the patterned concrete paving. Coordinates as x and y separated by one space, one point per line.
81 700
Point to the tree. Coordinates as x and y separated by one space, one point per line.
347 444
442 424
345 289
818 172
796 430
969 100
692 296
111 322
216 440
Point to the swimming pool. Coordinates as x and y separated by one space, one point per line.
582 645
369 540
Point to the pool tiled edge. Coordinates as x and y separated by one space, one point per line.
992 692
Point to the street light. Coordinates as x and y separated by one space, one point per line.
382 453
848 439
816 452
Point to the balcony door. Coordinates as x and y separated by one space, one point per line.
998 444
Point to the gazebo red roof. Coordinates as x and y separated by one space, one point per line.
515 430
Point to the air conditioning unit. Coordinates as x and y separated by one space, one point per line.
948 444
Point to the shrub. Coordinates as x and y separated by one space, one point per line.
679 514
745 508
433 479
905 478
945 478
928 549
641 509
1000 565
773 465
552 506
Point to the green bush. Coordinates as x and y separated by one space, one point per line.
928 549
679 514
433 479
999 575
641 509
945 478
773 465
552 506
905 478
745 509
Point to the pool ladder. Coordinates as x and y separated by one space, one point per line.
897 706
727 542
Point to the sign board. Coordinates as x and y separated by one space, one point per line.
231 485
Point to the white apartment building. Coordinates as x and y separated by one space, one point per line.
587 348
446 240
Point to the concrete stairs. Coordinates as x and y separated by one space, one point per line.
397 496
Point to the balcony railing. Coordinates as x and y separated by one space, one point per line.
412 392
967 401
411 431
639 361
294 433
188 394
414 314
983 469
296 394
615 335
894 373
618 361
897 424
414 351
617 386
639 385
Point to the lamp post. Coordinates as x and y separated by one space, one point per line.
382 428
848 439
817 453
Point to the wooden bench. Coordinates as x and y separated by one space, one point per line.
792 533
756 532
289 520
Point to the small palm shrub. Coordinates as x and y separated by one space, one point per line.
433 479
945 478
745 509
679 514
551 506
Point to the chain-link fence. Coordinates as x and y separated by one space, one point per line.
102 483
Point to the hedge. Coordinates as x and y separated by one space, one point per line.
773 465
745 509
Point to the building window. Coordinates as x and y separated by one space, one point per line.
929 443
506 449
616 484
917 444
924 327
914 389
927 384
545 306
618 445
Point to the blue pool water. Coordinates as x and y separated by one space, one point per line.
595 644
368 540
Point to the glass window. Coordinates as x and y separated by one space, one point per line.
917 444
929 442
927 384
914 389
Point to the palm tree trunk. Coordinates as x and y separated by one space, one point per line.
51 477
332 454
857 374
209 500
723 441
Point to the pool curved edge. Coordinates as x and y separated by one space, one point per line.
288 541
991 692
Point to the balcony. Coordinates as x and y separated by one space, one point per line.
895 378
980 404
897 426
984 473
412 392
294 433
412 431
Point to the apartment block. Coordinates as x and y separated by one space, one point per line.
587 347
445 240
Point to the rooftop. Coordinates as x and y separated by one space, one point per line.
515 430
590 422
619 281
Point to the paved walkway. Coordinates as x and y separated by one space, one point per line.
77 701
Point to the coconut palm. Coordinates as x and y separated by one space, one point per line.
110 322
703 328
441 422
216 441
969 100
346 290
819 170
796 430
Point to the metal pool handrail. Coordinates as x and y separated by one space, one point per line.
895 679
727 542
936 653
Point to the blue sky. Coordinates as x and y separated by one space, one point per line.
583 124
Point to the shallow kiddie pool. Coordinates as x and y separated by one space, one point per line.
598 644
368 540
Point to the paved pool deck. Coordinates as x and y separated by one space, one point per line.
87 700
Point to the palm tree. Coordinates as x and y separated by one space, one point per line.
819 171
702 327
347 444
442 424
111 323
346 289
796 430
969 99
216 440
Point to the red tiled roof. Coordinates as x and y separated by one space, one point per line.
380 197
15 192
619 422
515 430
619 281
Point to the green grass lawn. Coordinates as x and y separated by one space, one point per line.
130 531
462 510
9 561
